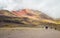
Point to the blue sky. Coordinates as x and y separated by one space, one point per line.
50 7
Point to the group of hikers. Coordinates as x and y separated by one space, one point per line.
46 27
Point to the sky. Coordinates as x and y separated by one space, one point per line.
49 7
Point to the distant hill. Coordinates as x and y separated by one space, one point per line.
25 17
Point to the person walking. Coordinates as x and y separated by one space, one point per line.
46 27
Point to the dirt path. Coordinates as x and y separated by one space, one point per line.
29 33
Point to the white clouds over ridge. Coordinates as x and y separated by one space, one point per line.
50 7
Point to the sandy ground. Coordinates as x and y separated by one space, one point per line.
28 33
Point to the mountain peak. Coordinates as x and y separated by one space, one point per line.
23 12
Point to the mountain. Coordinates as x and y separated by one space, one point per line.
25 17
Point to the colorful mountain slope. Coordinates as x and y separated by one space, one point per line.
27 16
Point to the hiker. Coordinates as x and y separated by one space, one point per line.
55 28
46 27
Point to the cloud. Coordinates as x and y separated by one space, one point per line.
50 7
